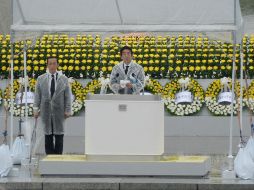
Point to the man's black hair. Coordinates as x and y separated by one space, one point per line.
51 57
124 48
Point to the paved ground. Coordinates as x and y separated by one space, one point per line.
29 178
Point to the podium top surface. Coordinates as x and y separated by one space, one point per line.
127 97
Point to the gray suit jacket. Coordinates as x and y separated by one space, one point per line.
52 110
135 74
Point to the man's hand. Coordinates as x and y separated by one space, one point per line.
36 114
66 115
129 85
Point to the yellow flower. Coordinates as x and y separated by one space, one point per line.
215 67
96 68
178 62
191 68
185 68
70 68
171 56
110 68
4 68
76 68
178 68
64 68
151 68
203 68
28 68
104 69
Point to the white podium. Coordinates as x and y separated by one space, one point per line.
124 125
124 135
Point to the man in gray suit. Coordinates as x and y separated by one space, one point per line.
53 104
127 77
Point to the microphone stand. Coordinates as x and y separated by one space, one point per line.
142 85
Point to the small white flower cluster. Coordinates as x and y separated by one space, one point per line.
184 83
76 106
22 81
249 103
104 83
183 109
20 110
147 80
219 109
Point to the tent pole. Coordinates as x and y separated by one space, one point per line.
230 156
12 93
26 81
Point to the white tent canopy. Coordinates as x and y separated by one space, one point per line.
54 16
126 15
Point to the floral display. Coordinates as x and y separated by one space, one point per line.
169 56
77 96
248 97
169 96
248 51
173 57
92 87
19 109
154 87
212 94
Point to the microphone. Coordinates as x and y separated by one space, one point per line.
134 79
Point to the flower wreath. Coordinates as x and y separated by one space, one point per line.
77 91
212 93
249 103
175 108
19 110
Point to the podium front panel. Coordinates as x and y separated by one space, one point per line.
124 127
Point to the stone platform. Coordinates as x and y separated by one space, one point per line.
191 166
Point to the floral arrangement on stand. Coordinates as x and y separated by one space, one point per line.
153 86
19 110
91 88
77 96
175 86
248 99
213 92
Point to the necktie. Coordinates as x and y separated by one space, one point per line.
52 87
126 69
